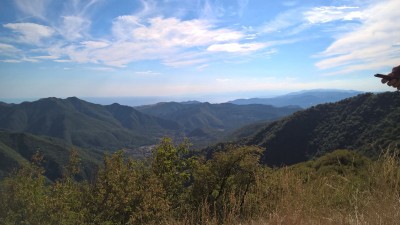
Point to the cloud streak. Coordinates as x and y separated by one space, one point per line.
372 44
170 40
327 14
30 33
34 8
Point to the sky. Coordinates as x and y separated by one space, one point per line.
215 49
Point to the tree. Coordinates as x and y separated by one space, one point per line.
172 166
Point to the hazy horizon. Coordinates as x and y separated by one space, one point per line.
148 100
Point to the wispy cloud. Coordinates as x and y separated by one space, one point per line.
30 33
45 57
242 5
223 80
236 47
165 39
74 27
147 73
34 8
143 35
105 69
371 44
327 14
10 61
286 20
8 50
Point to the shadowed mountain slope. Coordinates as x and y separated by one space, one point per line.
17 149
367 123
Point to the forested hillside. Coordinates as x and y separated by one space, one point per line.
85 124
17 149
215 117
367 123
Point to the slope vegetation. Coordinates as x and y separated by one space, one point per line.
368 123
215 117
85 124
17 149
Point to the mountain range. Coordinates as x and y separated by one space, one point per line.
205 119
366 123
85 124
53 126
304 99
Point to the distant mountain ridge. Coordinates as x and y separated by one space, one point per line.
205 117
111 127
304 99
368 123
85 124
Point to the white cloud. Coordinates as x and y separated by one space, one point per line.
36 8
147 73
10 61
172 32
223 80
211 10
172 41
242 5
202 67
165 39
105 69
74 27
289 19
26 59
299 19
95 44
63 60
45 57
30 33
123 26
326 14
6 49
184 62
236 47
370 44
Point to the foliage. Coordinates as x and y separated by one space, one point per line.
172 167
85 124
230 187
367 123
16 149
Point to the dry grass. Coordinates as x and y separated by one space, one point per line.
285 197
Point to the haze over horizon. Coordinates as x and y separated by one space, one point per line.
210 49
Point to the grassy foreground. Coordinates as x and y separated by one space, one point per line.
232 187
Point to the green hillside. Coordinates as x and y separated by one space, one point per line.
85 124
367 123
17 149
215 117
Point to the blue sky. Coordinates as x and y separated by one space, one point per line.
194 48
